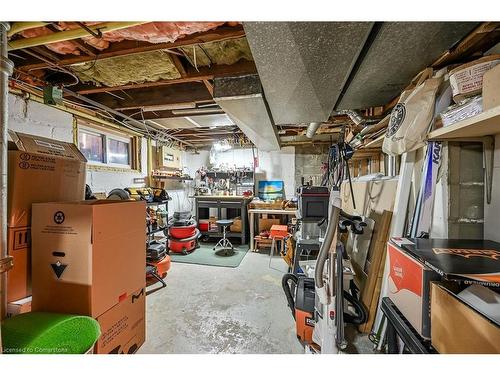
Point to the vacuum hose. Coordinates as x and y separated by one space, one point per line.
287 289
361 315
333 221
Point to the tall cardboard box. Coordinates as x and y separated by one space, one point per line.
458 328
266 224
87 256
409 288
40 170
123 327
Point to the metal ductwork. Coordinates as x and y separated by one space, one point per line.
355 116
308 69
394 54
312 129
303 65
243 101
6 68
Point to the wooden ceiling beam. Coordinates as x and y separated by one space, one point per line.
89 50
165 114
158 115
149 97
191 75
178 65
480 39
129 47
82 46
209 86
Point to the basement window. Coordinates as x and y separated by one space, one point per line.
102 148
92 146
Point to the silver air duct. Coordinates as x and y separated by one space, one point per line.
312 128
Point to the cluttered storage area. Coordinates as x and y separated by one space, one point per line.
169 187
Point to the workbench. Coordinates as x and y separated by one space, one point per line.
260 211
220 202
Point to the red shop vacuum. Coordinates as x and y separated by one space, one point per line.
183 233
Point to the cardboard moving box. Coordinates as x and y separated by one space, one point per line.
87 256
40 170
19 307
457 328
236 227
266 224
19 277
491 88
123 327
409 287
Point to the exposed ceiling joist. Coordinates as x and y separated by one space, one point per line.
178 65
157 115
62 36
481 39
129 47
166 95
192 75
17 27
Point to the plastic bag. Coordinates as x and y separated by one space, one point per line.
411 117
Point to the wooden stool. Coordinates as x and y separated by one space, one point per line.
278 233
261 242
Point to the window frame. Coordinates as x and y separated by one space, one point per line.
126 140
103 144
133 143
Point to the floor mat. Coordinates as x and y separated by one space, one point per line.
206 256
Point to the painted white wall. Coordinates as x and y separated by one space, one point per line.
38 119
491 216
273 165
278 165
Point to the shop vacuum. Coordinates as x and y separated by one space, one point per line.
301 290
183 233
157 261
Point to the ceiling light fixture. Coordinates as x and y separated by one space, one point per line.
197 111
169 107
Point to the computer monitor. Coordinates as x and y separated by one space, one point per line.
271 190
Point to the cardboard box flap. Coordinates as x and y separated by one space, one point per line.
472 261
46 146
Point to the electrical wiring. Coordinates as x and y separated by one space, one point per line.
76 82
338 167
94 108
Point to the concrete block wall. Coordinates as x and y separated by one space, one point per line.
492 210
34 118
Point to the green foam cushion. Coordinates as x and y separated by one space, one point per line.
49 333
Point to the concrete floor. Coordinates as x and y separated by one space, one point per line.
206 309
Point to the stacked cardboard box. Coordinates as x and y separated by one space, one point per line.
89 259
40 170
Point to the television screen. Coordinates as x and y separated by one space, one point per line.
270 190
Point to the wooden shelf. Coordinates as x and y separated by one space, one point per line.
172 178
486 123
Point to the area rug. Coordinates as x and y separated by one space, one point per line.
206 256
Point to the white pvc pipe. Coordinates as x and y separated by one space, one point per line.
6 67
